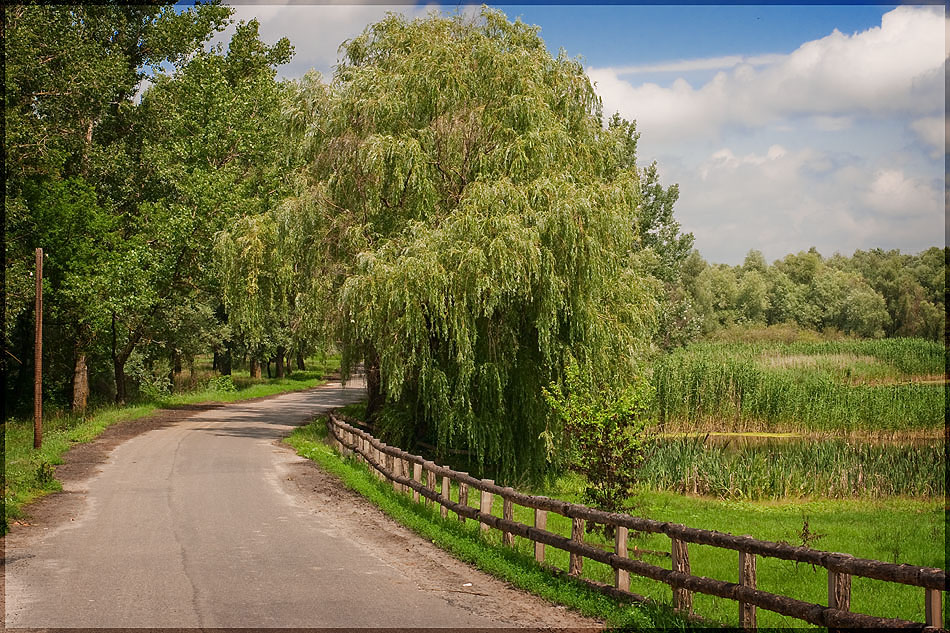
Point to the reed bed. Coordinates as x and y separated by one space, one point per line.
834 385
836 469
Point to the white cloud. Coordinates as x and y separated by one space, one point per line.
894 193
782 200
933 132
895 68
688 65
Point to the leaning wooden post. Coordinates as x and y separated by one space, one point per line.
933 613
507 538
484 504
446 495
576 562
540 522
682 598
621 576
463 498
416 476
747 579
38 356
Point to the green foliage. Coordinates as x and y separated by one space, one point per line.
870 295
221 383
466 224
123 194
605 433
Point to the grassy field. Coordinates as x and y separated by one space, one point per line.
29 473
832 386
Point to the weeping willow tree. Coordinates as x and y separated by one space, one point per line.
467 229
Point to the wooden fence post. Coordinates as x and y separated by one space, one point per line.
621 576
933 613
747 579
540 522
576 565
430 484
416 476
484 504
839 589
463 498
682 598
507 538
446 495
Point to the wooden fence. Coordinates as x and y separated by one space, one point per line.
409 472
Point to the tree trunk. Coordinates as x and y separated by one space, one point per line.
300 364
118 365
374 393
224 363
80 383
279 362
287 369
255 367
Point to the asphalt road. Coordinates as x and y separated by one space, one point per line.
193 525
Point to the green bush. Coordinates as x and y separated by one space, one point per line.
605 431
221 383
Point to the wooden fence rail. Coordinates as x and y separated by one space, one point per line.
392 463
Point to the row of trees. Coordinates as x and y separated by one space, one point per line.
870 294
126 194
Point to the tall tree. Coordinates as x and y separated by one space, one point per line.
475 222
70 75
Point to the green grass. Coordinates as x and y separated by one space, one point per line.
796 468
852 385
515 566
891 529
28 472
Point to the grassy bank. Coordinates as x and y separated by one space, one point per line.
29 473
894 529
514 566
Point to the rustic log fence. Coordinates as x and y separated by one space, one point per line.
392 463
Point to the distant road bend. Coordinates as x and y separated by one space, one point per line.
212 522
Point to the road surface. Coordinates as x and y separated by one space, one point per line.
212 522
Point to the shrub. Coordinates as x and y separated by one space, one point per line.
606 434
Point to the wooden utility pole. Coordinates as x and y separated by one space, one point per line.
38 356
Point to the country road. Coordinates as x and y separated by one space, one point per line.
211 522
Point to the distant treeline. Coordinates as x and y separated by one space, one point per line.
872 294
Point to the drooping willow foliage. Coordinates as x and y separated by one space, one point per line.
468 227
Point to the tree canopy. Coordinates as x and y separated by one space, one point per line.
475 223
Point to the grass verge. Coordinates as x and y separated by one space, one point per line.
468 544
894 529
29 473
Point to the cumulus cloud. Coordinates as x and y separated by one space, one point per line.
932 131
783 200
897 67
892 192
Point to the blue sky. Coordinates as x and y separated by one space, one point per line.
786 127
